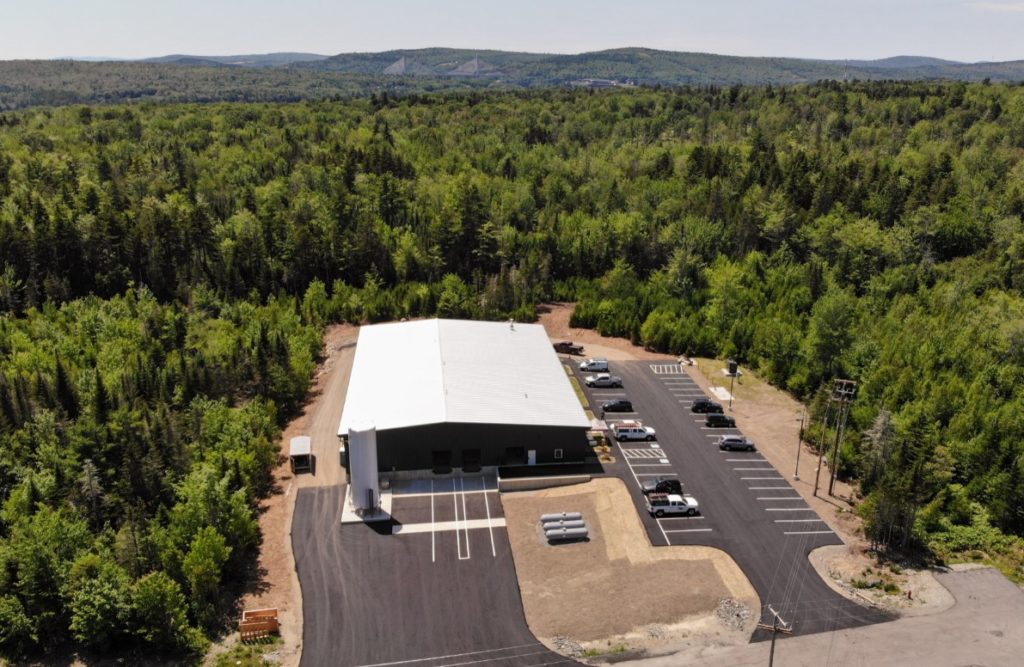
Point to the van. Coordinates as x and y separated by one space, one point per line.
594 365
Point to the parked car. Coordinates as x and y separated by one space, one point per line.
568 347
594 365
731 442
618 405
632 430
660 504
662 485
706 405
718 420
603 380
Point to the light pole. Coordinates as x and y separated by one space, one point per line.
799 444
734 370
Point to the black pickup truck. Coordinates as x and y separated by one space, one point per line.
568 347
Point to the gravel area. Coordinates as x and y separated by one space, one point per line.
615 590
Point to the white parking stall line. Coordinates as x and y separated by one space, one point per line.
632 470
465 516
657 474
779 498
788 509
647 465
799 521
433 533
438 494
682 518
809 532
494 552
688 530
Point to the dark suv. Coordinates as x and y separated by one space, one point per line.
618 405
662 485
718 420
705 405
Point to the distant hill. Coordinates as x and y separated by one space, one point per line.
636 65
250 60
653 67
299 76
898 62
194 61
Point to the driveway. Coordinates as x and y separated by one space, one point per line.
983 628
435 587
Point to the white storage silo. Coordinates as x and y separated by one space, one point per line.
362 467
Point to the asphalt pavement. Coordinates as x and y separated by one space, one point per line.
437 586
983 628
748 509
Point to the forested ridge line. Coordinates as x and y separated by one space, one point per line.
167 270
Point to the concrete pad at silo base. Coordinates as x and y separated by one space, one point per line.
351 514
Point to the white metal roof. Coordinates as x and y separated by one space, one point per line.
433 371
301 445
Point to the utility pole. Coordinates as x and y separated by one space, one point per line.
844 391
799 444
821 447
778 625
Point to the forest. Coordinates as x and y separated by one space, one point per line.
166 271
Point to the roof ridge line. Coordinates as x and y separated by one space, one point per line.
443 373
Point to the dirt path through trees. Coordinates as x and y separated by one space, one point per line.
279 583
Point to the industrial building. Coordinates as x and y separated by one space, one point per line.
454 394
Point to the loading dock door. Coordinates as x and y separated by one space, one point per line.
471 460
442 462
515 456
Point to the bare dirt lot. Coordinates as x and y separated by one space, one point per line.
616 592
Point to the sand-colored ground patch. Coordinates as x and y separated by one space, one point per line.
615 586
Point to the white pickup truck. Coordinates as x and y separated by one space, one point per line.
662 504
633 430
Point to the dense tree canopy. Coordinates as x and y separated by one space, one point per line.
165 272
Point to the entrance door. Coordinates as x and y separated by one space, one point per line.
531 458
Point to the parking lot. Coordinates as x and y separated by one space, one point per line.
436 586
748 508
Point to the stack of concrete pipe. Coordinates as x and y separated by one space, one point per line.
564 526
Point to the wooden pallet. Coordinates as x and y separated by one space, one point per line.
258 623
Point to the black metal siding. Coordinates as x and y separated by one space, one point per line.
412 448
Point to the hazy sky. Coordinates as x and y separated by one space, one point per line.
955 29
